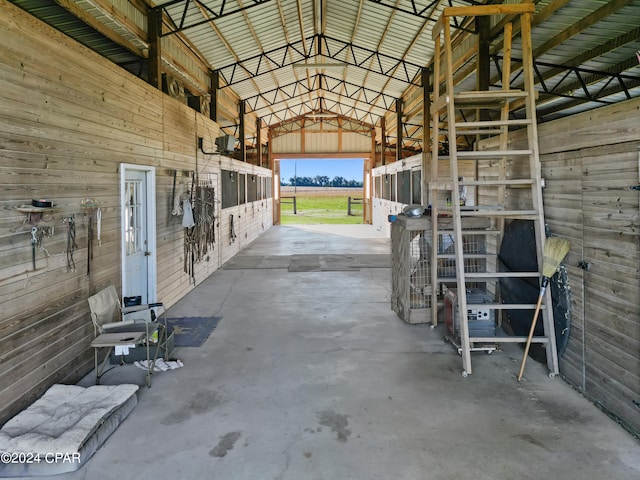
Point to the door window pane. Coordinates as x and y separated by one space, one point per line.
133 219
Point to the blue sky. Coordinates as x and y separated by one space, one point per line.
350 169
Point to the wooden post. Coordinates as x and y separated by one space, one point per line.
354 201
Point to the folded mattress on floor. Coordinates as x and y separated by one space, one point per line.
62 430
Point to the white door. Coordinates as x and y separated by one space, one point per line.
138 232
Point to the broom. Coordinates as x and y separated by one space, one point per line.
555 249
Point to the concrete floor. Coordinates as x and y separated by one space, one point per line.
310 375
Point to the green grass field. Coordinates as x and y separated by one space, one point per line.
319 209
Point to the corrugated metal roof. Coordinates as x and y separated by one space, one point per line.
585 50
72 26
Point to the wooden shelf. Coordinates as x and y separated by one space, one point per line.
35 215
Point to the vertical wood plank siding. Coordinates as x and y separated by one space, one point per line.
589 162
68 118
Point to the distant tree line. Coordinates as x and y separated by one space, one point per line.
321 181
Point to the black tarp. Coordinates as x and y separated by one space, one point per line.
518 254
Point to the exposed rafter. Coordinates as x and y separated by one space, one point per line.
415 10
271 97
359 93
177 11
301 122
581 84
419 9
386 65
334 49
253 46
319 104
318 83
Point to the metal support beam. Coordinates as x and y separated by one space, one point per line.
177 12
332 48
383 140
576 83
213 105
318 83
483 79
259 140
426 110
155 50
399 131
426 136
417 10
291 112
243 146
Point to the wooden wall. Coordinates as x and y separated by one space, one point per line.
589 162
384 207
68 119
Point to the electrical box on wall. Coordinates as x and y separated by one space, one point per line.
226 143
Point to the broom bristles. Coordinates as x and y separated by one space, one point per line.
555 249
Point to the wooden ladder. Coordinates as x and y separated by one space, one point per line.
502 168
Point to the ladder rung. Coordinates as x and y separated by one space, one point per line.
474 276
490 94
487 231
478 131
492 123
467 255
504 306
473 208
471 231
502 275
507 339
519 214
479 99
492 153
486 98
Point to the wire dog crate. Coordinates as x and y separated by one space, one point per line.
411 268
474 247
412 264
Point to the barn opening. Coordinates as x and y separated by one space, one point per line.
321 191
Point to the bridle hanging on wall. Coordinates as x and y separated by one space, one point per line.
201 237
